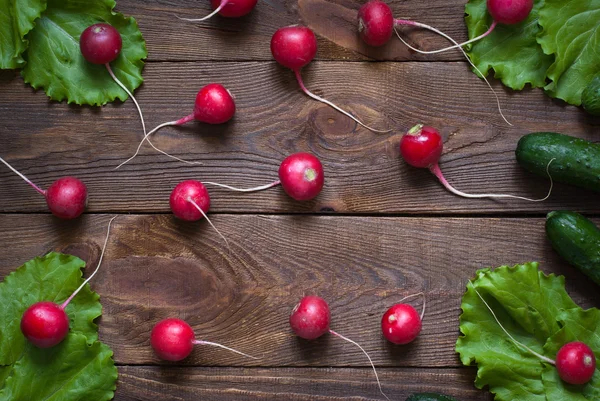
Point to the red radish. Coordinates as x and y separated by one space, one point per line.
375 23
575 361
189 200
401 324
66 197
300 174
173 340
101 44
45 324
422 146
227 8
294 47
310 319
214 105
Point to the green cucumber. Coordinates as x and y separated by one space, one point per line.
590 98
577 240
430 397
576 161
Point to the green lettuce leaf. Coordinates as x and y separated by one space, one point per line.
55 63
72 370
16 20
510 50
533 308
80 367
571 32
53 277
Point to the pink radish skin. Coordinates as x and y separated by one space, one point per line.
576 363
214 105
301 176
100 43
401 324
45 324
182 197
234 8
375 23
509 12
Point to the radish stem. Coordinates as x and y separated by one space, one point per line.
223 4
327 102
38 189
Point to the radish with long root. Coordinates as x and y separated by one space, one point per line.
294 47
101 44
575 361
45 324
401 323
422 147
227 8
66 197
214 105
300 175
376 25
173 340
310 319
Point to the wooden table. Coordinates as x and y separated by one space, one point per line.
380 230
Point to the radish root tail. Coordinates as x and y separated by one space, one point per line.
202 342
223 4
14 170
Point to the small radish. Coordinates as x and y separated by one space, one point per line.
173 340
227 8
310 319
214 105
401 324
300 175
575 361
101 44
45 324
294 47
422 147
375 23
189 200
66 197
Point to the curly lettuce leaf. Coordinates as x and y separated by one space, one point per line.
55 63
533 308
72 370
53 277
571 32
16 20
511 51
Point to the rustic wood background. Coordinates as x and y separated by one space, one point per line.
380 230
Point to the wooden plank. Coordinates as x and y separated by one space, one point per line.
143 383
156 267
248 38
364 173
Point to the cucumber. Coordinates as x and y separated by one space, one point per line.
576 161
590 98
430 397
577 240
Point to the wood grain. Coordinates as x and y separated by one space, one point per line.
157 267
248 38
364 173
142 383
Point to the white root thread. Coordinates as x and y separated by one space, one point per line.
64 305
466 56
202 342
14 170
368 357
189 199
256 189
542 357
223 4
416 295
114 77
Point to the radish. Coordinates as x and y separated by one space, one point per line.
101 44
575 361
294 47
227 8
300 175
66 197
214 105
45 324
173 340
401 324
376 25
310 319
422 147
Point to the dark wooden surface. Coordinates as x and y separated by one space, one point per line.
380 230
